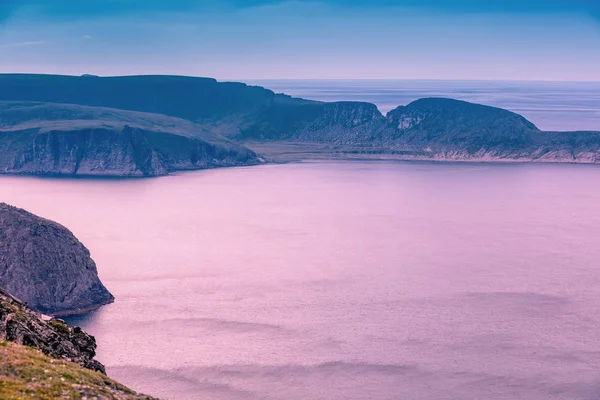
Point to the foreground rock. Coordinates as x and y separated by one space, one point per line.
46 359
43 264
52 337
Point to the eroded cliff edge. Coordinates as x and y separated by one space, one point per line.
66 139
274 124
43 264
44 358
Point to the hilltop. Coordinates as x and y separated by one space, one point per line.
284 128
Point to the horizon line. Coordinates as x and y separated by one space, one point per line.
310 79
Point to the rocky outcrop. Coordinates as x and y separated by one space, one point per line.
448 121
52 336
44 265
452 130
435 129
44 358
60 139
299 120
430 129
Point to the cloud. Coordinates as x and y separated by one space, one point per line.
23 44
86 37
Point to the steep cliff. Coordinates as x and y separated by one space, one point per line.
42 358
431 129
43 264
62 139
448 129
338 122
232 109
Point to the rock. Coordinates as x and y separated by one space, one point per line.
44 265
54 337
61 139
429 129
27 373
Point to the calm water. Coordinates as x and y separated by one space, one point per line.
343 280
550 105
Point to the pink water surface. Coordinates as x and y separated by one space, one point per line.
344 280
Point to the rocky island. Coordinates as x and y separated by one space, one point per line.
44 265
151 125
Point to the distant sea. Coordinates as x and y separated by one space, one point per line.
559 106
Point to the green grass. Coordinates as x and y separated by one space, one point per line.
26 373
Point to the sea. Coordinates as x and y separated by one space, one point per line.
350 280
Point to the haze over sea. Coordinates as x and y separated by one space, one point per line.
351 280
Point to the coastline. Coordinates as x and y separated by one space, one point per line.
81 311
289 152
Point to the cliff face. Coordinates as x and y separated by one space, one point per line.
60 139
44 358
436 129
43 264
338 122
233 109
447 129
110 152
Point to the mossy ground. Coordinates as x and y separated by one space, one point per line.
26 373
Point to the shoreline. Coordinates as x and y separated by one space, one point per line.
309 152
80 311
283 153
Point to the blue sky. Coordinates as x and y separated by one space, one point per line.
347 39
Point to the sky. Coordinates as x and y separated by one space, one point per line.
555 40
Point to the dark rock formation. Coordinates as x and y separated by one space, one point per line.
61 139
51 336
43 264
44 358
457 130
447 121
431 129
295 119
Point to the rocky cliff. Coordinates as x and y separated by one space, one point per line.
430 129
62 139
448 129
51 336
44 265
43 358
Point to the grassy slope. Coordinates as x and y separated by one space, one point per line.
98 132
22 116
26 373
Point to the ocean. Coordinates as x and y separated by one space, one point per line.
350 279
